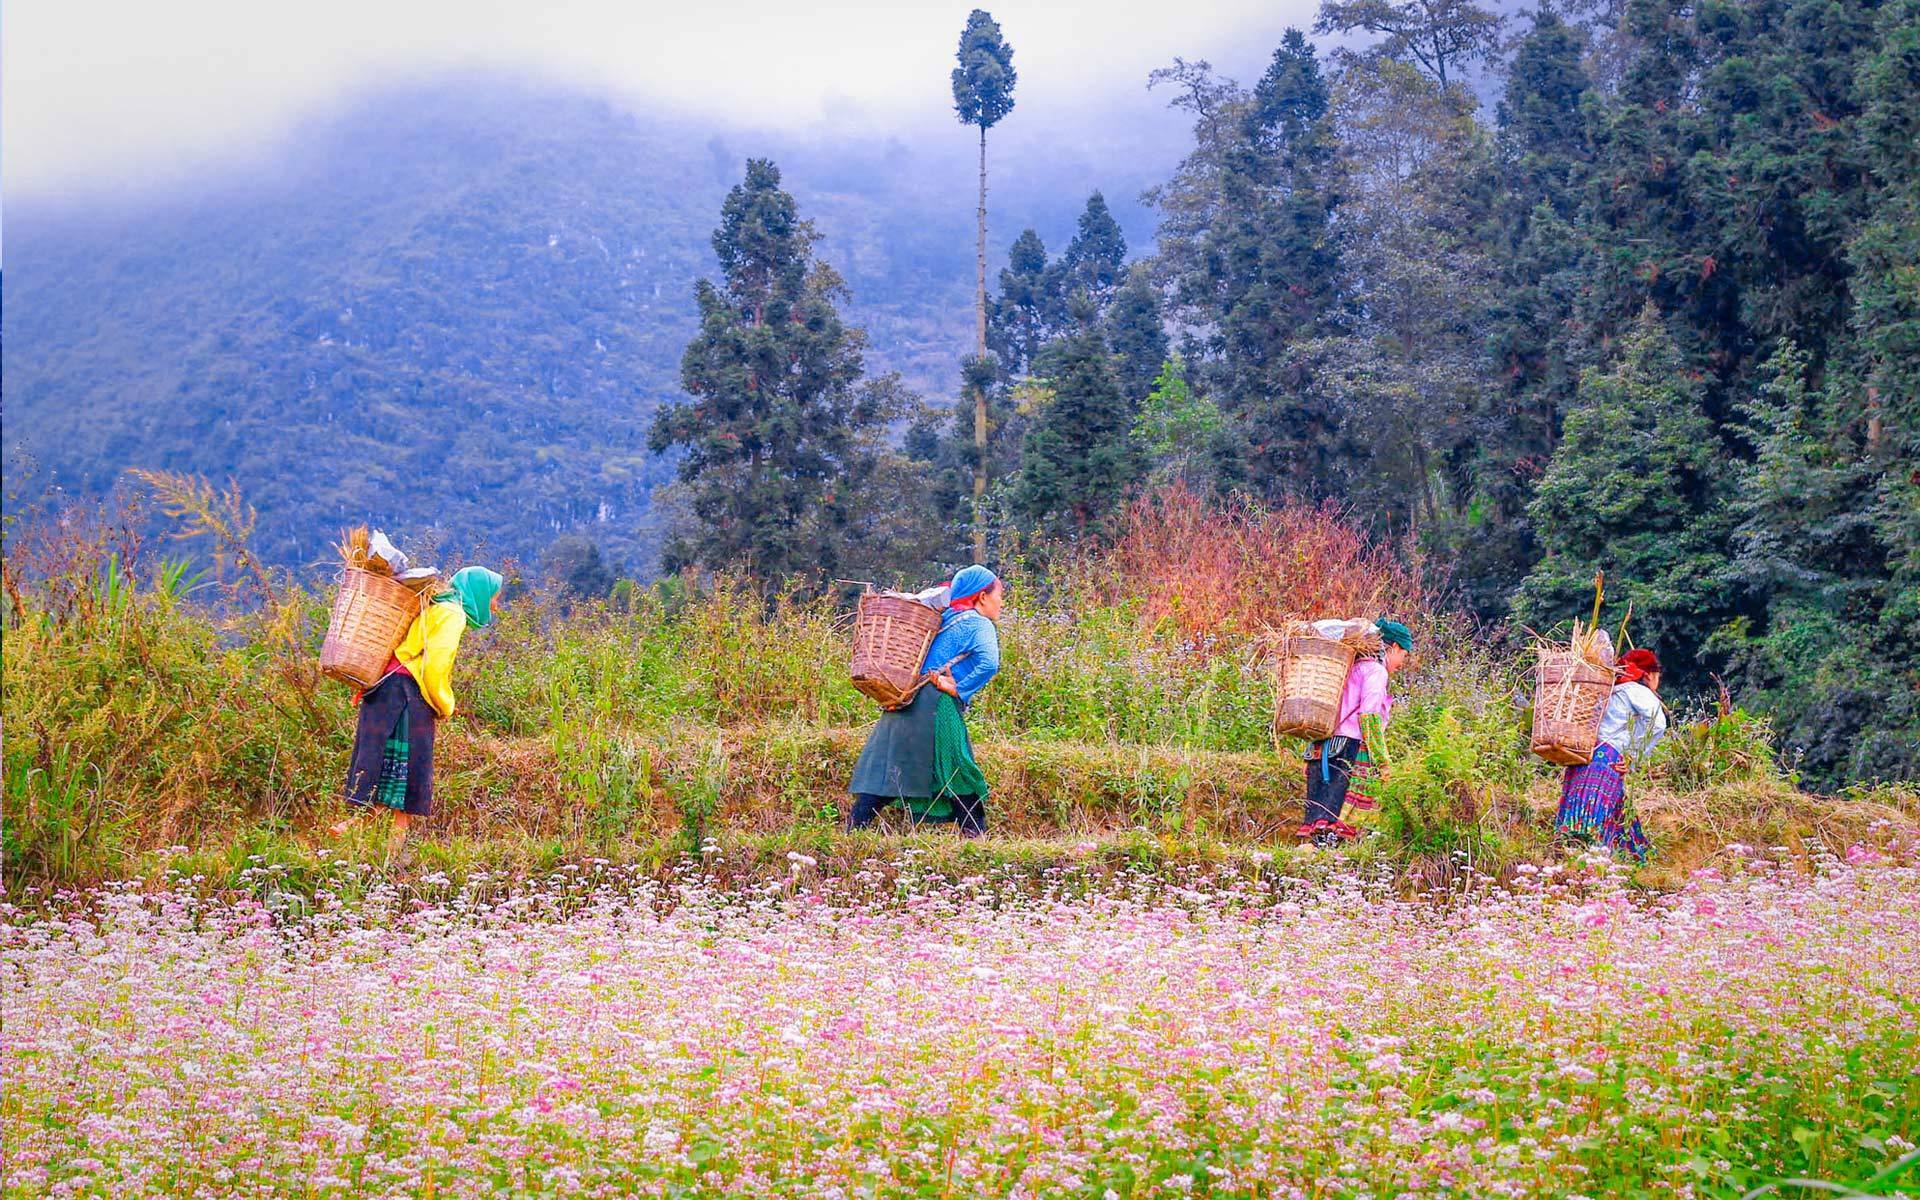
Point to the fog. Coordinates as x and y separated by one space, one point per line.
101 96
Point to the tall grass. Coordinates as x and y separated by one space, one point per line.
143 713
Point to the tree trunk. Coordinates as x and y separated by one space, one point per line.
980 351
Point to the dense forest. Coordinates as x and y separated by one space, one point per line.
1653 311
1656 314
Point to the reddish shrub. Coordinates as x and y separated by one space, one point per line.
1212 567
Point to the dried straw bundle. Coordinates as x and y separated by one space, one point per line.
1589 642
353 547
357 552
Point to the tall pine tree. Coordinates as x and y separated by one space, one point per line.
1079 455
982 96
780 428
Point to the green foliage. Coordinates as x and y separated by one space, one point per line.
1457 758
1096 259
781 430
1028 308
1730 748
983 82
1078 457
1176 427
1136 331
1259 271
574 562
1637 489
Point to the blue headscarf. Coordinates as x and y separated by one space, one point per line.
971 581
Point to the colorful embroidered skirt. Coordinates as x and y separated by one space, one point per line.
1362 807
1593 803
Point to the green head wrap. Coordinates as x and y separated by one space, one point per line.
1396 634
474 588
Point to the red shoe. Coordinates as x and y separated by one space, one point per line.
1344 830
1314 830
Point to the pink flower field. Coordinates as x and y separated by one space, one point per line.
892 1035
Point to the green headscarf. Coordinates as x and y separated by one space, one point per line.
1396 634
474 588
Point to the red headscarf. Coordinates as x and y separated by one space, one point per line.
1636 665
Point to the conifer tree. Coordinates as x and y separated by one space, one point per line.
1269 273
780 427
1096 258
1028 308
1079 456
1638 488
982 95
1136 331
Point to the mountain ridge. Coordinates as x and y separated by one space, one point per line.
453 306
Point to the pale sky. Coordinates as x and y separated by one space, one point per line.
99 94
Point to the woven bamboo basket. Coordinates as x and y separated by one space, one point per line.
1312 673
1569 694
370 616
890 639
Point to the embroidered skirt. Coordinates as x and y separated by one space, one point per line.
392 763
1593 803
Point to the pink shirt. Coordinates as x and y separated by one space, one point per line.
1366 692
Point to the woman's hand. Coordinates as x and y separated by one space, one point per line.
944 681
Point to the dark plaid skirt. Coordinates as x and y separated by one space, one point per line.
392 763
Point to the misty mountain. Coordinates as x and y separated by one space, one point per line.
455 306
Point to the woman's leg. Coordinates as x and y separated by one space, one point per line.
378 711
970 814
866 806
1333 792
422 724
1326 788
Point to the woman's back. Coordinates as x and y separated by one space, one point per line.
970 637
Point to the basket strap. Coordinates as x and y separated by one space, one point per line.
926 677
1340 713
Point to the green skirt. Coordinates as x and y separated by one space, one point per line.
921 755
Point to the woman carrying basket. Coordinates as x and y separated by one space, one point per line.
1593 797
392 763
1340 769
920 753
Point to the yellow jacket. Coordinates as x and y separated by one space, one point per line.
428 649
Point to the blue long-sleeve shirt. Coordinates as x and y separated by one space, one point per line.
965 632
